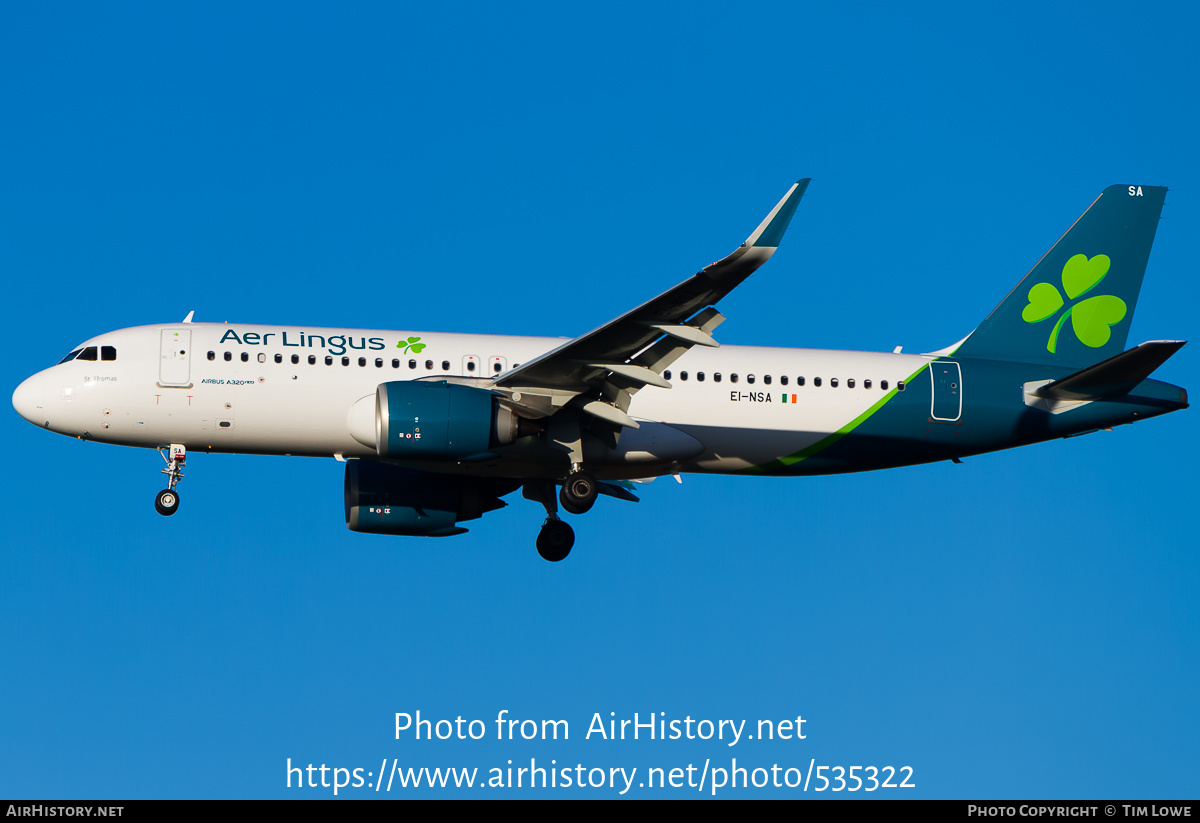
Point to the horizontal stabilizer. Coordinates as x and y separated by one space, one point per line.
1114 376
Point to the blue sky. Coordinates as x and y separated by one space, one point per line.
1021 625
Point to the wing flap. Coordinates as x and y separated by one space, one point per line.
639 375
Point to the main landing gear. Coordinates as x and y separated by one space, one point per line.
556 538
578 495
167 501
579 492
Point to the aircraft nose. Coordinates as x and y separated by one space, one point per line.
27 400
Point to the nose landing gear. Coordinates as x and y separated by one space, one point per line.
167 501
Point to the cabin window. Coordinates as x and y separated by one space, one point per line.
110 353
379 362
883 385
295 359
496 367
212 355
683 375
328 360
412 364
262 357
312 360
767 379
470 365
362 362
783 379
445 365
833 382
899 385
88 354
429 365
817 382
700 376
850 383
667 374
749 378
279 358
345 361
799 381
245 357
867 384
716 377
228 356
733 378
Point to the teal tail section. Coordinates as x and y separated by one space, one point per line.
1075 306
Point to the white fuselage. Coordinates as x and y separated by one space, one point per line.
304 391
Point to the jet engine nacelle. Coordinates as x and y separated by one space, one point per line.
383 499
431 420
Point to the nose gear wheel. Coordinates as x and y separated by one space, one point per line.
167 502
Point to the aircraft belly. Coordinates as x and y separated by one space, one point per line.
652 443
731 449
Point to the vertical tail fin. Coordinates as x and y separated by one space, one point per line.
1075 306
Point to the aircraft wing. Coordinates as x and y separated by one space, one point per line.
613 362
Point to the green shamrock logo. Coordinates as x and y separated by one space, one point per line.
1091 319
413 344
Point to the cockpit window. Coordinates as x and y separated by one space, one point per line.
70 356
108 353
87 354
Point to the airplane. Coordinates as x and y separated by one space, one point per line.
436 428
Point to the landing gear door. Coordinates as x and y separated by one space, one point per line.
175 352
947 390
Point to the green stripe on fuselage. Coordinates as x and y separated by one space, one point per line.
787 461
